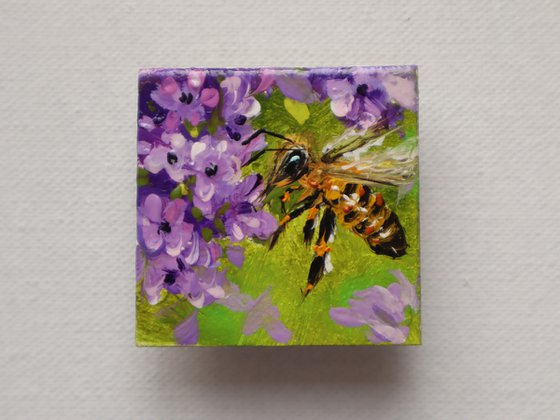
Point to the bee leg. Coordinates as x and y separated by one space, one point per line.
287 218
306 204
310 225
285 198
321 261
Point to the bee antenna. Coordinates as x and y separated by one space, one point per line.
263 131
260 153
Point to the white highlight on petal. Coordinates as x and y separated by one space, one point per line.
197 302
177 140
216 291
222 146
237 232
253 109
197 149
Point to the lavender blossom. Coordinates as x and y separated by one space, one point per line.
161 226
381 309
261 313
238 106
189 99
243 219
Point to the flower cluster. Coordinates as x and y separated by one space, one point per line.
383 310
194 203
360 97
261 313
190 127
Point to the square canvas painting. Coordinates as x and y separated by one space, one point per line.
277 207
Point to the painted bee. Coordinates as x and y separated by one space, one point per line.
341 184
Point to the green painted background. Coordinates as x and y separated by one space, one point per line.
284 269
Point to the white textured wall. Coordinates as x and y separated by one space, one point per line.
490 126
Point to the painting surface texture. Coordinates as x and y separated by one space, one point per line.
278 207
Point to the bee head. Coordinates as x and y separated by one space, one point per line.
290 166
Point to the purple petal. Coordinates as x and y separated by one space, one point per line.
172 121
236 255
296 86
187 331
175 211
407 290
402 90
146 123
278 331
345 317
140 263
341 107
234 299
151 238
260 310
174 242
152 208
209 97
144 148
155 161
153 284
196 79
169 86
387 334
266 81
339 88
192 255
386 307
252 323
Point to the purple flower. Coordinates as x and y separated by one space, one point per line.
381 309
189 99
361 99
244 219
237 148
261 313
199 253
164 272
169 153
200 286
238 106
211 283
161 225
187 331
214 169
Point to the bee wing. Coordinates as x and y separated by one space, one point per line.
394 166
352 140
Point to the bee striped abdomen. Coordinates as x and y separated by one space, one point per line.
366 214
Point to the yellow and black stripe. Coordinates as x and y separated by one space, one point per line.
366 214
